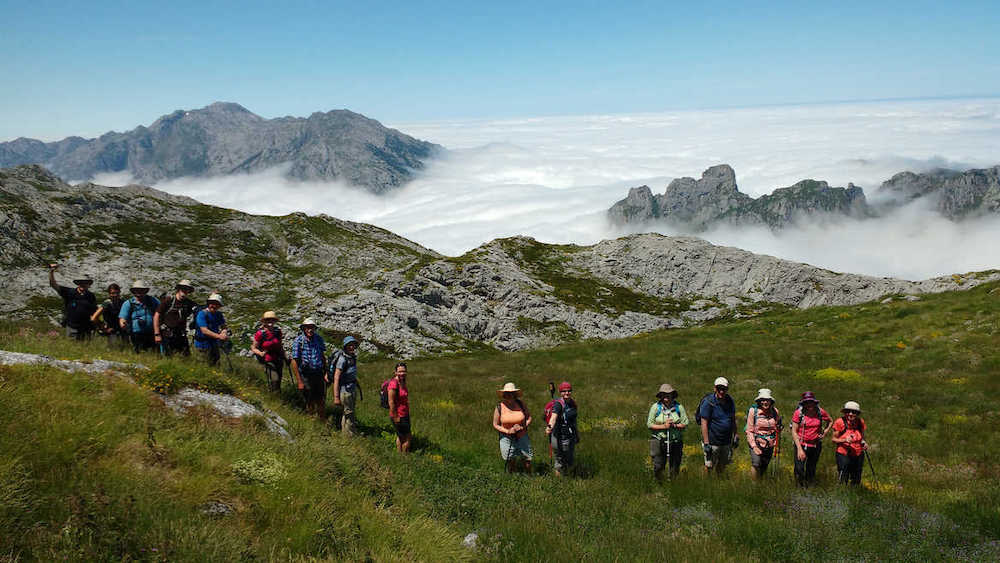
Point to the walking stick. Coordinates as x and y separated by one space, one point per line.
552 396
872 467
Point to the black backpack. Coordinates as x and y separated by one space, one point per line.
193 323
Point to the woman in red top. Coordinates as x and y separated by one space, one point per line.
810 423
399 408
849 435
268 349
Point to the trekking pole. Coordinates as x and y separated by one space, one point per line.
548 438
872 467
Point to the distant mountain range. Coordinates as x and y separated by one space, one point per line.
698 205
226 138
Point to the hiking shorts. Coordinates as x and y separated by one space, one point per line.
761 461
719 456
402 427
511 447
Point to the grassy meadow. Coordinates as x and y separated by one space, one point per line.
96 468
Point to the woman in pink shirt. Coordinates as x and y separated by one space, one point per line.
399 408
810 423
849 435
763 433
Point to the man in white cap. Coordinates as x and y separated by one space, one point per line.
78 304
309 367
211 332
171 319
136 316
717 417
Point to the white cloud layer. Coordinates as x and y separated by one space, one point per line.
553 178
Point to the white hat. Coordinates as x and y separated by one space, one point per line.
215 297
764 394
308 322
139 284
509 388
851 406
721 381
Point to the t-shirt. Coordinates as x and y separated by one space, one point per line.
511 416
763 432
855 433
175 312
565 427
348 366
139 313
78 307
721 416
269 342
659 414
211 321
809 427
402 397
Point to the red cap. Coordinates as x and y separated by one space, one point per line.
565 386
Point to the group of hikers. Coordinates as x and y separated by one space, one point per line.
147 322
716 420
150 323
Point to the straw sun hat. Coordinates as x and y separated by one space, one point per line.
509 388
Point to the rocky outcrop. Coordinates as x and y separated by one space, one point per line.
225 138
398 297
956 195
697 205
226 406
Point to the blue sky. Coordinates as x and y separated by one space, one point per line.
85 68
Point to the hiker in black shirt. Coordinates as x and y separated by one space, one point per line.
105 318
79 304
171 320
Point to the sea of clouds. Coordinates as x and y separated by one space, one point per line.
553 178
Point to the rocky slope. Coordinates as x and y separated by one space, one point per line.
697 205
398 296
225 138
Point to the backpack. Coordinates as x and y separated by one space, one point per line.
710 397
383 394
335 357
193 323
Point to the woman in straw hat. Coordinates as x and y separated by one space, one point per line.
849 436
267 347
511 419
763 433
666 421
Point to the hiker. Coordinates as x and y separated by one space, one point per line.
269 350
763 431
561 430
79 305
344 380
399 408
309 366
810 424
511 419
106 317
136 316
210 333
849 435
667 420
171 320
717 418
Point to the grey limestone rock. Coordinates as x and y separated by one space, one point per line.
956 195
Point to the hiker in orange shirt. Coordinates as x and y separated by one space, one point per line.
849 435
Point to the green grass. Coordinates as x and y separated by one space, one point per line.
94 468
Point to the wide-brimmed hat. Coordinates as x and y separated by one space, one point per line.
509 388
185 285
851 406
84 279
666 389
139 284
808 397
764 394
721 381
269 315
308 322
349 340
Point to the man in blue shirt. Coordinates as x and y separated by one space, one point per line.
309 367
136 316
211 333
717 415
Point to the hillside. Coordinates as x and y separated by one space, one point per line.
226 138
399 297
94 467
